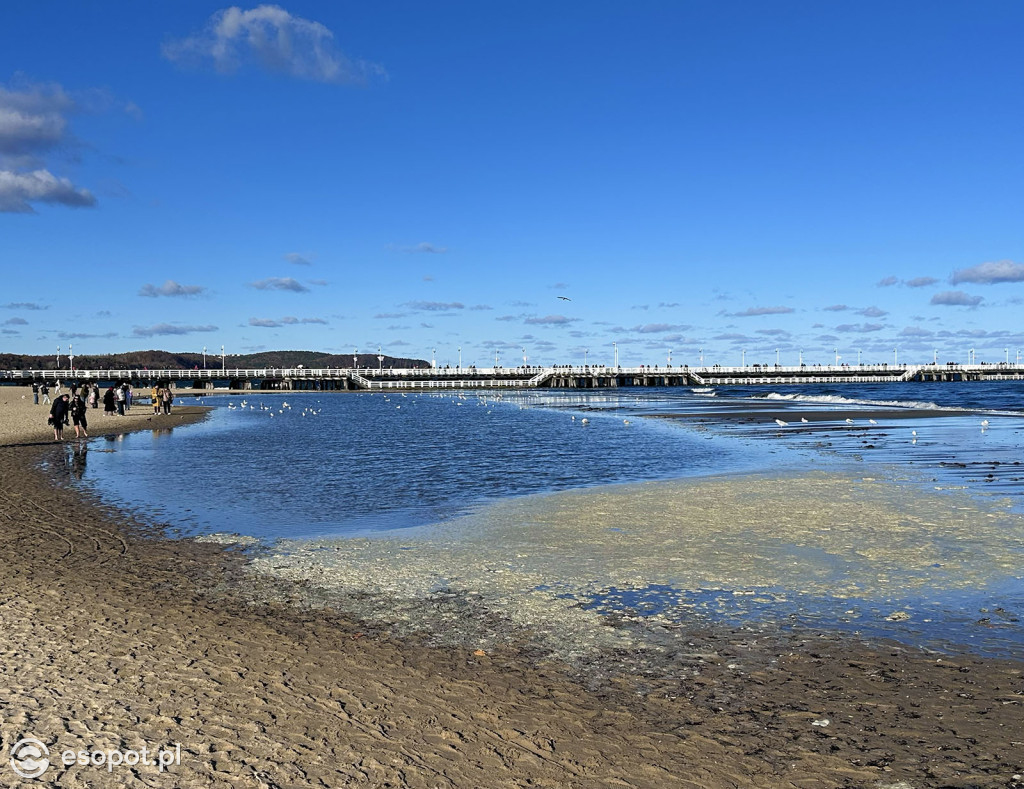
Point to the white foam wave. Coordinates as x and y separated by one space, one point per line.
921 405
840 400
705 391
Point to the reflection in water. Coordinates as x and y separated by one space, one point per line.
75 460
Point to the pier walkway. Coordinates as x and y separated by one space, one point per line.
566 376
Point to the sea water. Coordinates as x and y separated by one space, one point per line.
305 468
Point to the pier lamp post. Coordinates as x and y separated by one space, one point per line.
223 361
495 358
1006 350
970 356
524 357
800 357
71 356
670 357
743 358
433 359
836 352
204 357
896 356
615 354
460 358
58 357
1018 357
587 350
701 357
935 356
776 357
858 357
355 358
380 359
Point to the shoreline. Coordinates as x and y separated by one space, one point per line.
157 640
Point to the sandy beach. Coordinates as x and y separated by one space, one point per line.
118 638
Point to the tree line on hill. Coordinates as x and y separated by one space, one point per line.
165 360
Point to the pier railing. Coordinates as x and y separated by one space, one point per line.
558 376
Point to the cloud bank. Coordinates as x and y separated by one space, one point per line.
33 125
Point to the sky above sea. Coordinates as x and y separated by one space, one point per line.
548 181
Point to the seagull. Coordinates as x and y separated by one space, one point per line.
625 421
585 421
984 423
872 421
565 298
803 419
913 433
849 421
780 423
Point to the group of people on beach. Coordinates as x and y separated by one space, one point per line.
162 398
72 407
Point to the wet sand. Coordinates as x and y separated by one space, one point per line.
117 637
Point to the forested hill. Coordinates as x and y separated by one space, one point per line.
165 360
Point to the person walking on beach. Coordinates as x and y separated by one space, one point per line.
45 391
108 401
94 398
167 397
59 416
155 397
128 394
119 396
78 416
35 393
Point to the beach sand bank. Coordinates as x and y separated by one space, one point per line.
115 637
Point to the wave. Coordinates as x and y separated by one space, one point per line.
920 405
840 400
706 391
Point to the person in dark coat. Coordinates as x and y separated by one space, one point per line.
78 416
59 416
108 401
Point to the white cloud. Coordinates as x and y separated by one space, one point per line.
550 320
280 283
754 311
19 190
435 306
271 38
860 328
956 298
160 329
658 328
296 259
990 273
170 288
920 282
287 320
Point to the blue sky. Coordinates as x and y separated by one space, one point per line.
726 176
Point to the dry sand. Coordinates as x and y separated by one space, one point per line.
116 637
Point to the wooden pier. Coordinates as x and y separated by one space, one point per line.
557 377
